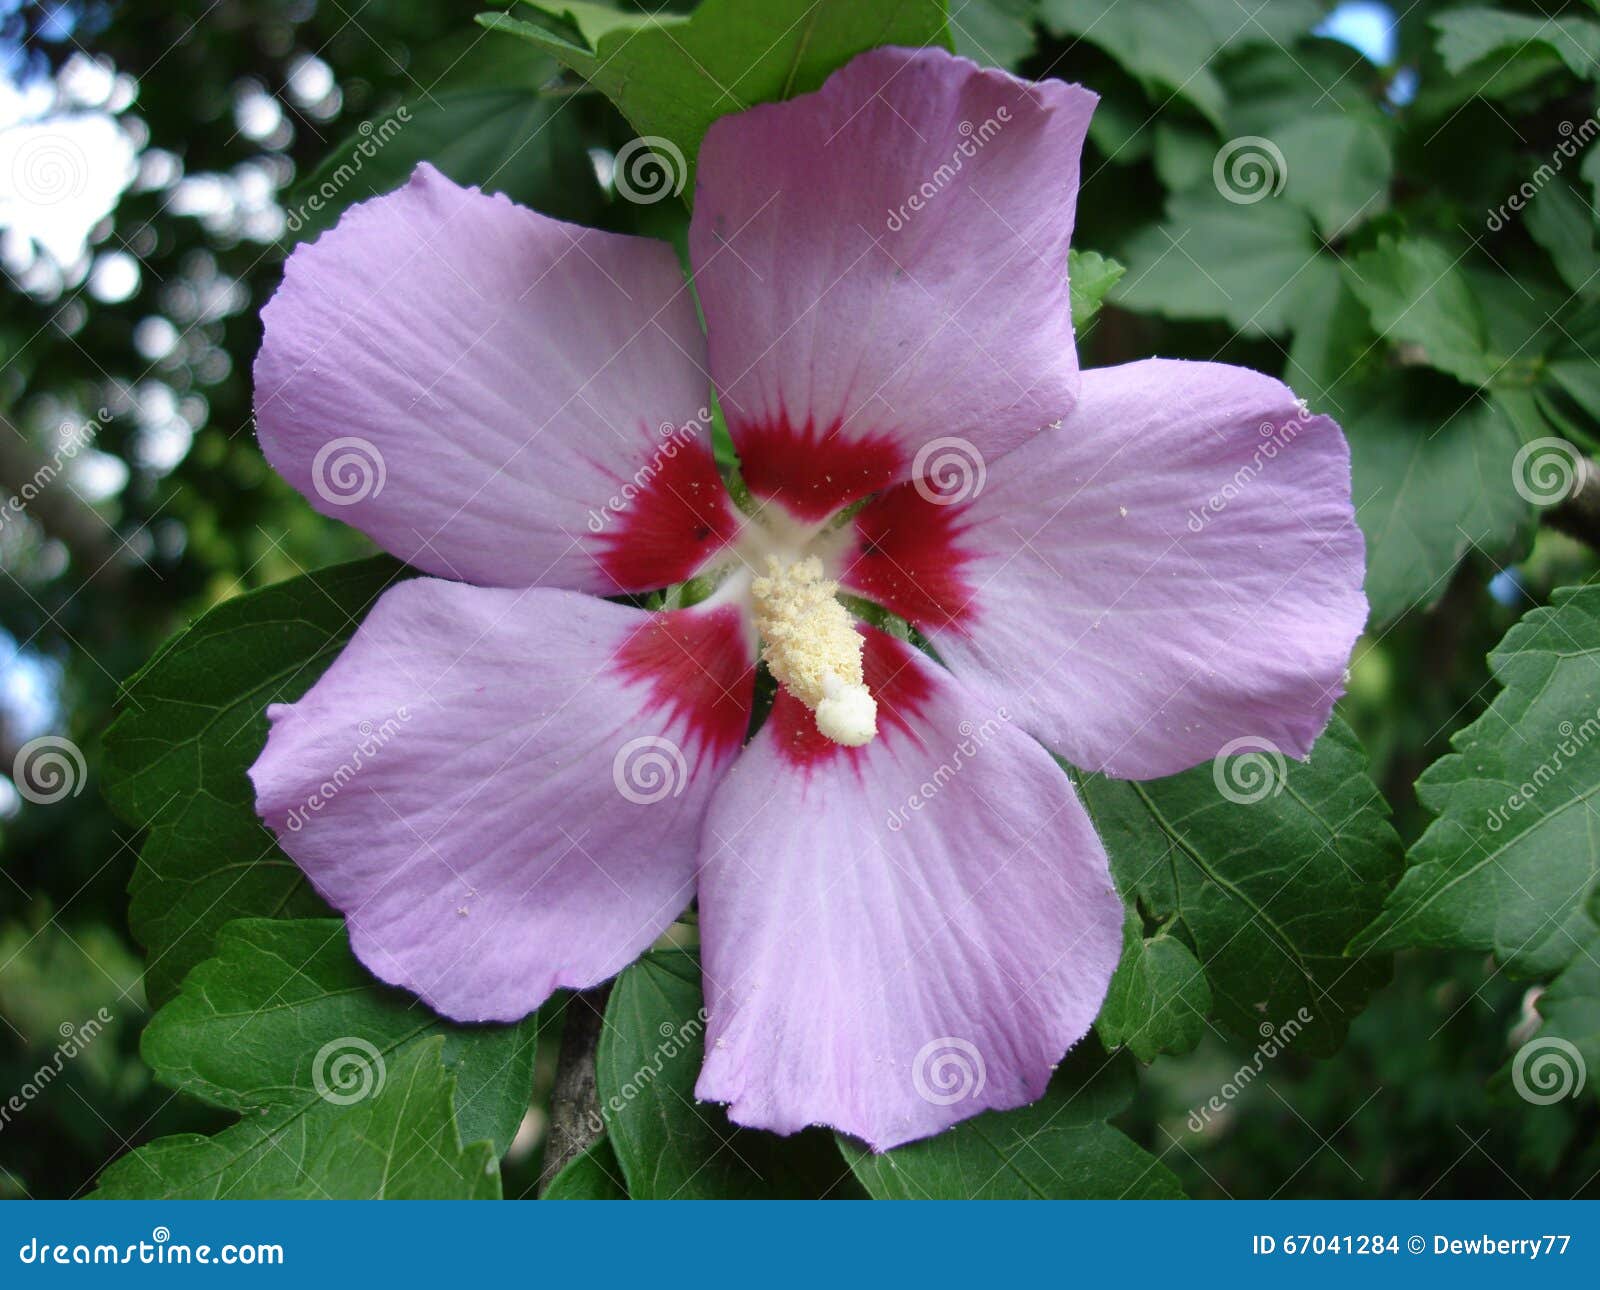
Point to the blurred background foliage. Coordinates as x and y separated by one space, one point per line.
155 165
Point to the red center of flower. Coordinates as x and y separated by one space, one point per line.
901 692
813 470
696 666
662 525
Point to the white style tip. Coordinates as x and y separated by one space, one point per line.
848 715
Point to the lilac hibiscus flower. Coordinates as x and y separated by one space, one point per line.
892 873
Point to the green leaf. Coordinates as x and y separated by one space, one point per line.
995 33
669 1145
1277 24
344 1087
400 1144
1091 275
1571 1011
1510 860
1191 266
1589 172
1337 168
1432 479
1563 223
1266 886
1060 1148
1166 46
1334 349
671 76
1319 77
509 141
593 1174
1158 998
1183 154
193 721
1170 45
1418 295
488 121
1467 36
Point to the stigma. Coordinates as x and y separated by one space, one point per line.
813 649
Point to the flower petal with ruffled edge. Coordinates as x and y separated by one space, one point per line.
1177 567
848 329
495 396
503 790
898 936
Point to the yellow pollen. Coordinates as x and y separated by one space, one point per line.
813 649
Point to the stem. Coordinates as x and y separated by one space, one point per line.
1579 514
575 1122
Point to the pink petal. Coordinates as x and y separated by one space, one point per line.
846 329
495 396
503 790
899 936
1176 568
